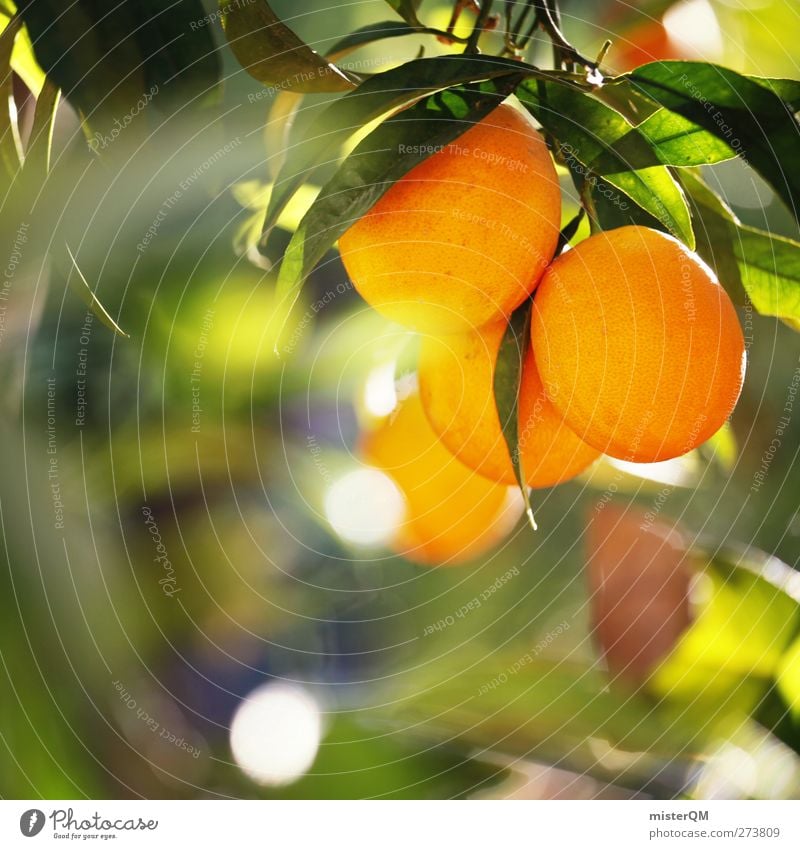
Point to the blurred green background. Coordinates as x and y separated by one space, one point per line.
168 547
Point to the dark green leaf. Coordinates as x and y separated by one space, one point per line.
507 379
273 54
748 116
380 95
596 141
107 58
765 266
407 9
386 155
286 104
371 33
787 90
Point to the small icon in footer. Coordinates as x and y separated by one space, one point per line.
31 822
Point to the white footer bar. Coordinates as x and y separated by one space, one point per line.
402 825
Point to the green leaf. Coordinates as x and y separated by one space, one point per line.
386 155
788 678
745 615
596 141
37 156
9 152
787 90
507 380
285 104
273 54
748 116
380 95
105 59
81 286
677 141
532 705
23 61
407 9
712 226
765 266
770 269
608 208
722 449
374 32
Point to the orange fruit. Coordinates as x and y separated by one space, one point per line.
456 378
464 237
639 577
452 514
682 33
638 346
648 42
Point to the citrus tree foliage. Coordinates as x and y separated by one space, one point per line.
641 136
645 137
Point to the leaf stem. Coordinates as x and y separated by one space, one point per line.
568 232
587 201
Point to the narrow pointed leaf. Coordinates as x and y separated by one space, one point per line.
273 54
713 220
374 32
507 380
764 266
9 154
377 96
748 116
407 9
107 57
37 156
787 90
84 290
597 141
286 104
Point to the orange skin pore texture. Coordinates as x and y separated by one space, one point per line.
456 376
452 513
638 346
464 237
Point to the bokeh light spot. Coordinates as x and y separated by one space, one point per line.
275 734
365 507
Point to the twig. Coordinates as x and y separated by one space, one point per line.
458 7
480 26
547 20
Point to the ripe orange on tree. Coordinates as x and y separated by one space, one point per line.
647 42
452 514
464 237
456 376
638 345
